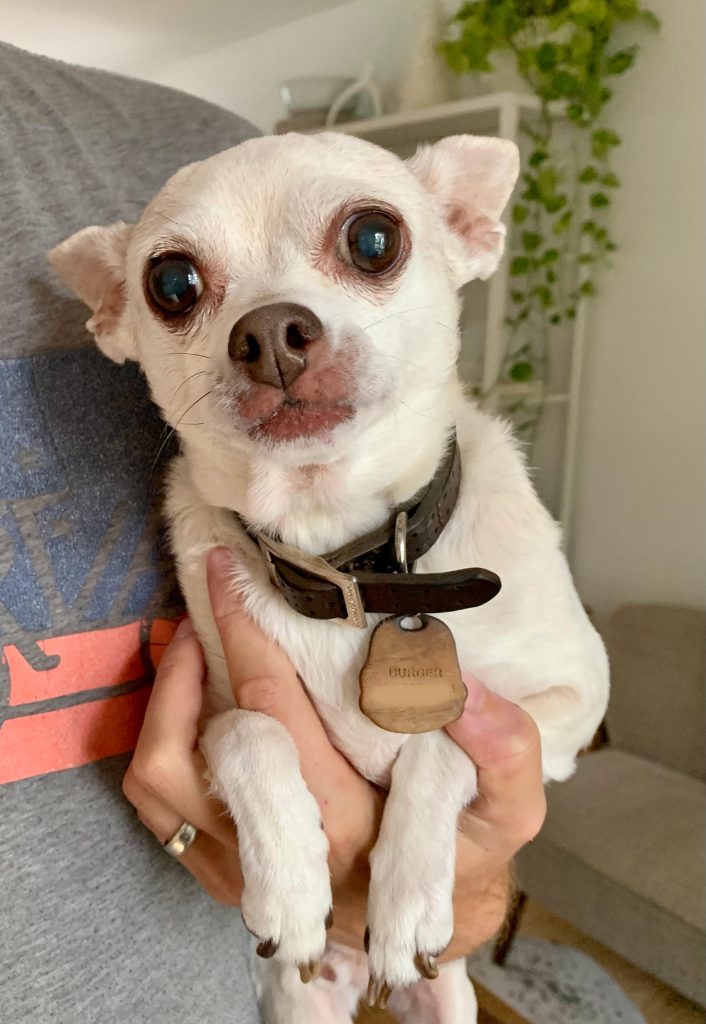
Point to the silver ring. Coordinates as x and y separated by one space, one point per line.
181 840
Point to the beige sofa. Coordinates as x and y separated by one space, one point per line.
622 853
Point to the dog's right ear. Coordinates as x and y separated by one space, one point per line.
92 264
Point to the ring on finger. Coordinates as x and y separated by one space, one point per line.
181 840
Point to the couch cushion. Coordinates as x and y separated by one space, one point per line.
656 709
621 857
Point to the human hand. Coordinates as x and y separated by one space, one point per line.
166 784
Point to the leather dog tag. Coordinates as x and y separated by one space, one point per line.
411 680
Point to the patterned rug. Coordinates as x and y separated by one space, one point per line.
551 984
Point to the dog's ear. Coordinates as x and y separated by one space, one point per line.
472 179
92 264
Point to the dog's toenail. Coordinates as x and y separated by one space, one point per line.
426 965
267 949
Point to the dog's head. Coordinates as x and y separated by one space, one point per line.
292 291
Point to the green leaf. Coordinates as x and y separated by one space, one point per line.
610 180
547 56
522 372
587 288
571 313
519 266
620 62
537 157
603 140
588 174
564 84
598 200
519 214
550 277
586 258
555 319
575 112
589 227
588 12
562 223
544 294
531 240
517 296
650 18
555 203
550 256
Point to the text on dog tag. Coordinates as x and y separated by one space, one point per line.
411 680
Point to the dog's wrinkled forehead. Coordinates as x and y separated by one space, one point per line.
277 189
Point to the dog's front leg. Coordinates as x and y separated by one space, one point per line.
286 900
410 908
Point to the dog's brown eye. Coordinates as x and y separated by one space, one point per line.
174 284
372 242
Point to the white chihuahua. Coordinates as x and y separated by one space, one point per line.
293 303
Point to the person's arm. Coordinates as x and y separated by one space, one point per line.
166 779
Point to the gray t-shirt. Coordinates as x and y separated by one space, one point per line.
97 924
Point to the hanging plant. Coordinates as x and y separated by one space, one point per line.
565 50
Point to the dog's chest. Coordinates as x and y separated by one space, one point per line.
328 656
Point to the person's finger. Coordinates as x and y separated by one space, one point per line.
166 761
262 676
215 866
503 742
171 719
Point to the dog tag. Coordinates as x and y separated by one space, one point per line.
411 680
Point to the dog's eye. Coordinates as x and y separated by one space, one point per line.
174 284
372 242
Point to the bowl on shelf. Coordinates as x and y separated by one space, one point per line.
314 94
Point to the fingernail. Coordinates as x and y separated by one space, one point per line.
475 700
185 628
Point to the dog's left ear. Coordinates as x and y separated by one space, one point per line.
92 264
472 179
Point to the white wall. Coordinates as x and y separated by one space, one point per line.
640 525
243 75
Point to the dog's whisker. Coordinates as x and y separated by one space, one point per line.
399 312
164 216
199 373
196 355
174 428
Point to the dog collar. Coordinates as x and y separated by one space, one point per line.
372 574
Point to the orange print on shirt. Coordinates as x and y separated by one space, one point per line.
63 737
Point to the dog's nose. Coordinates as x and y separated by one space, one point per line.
272 341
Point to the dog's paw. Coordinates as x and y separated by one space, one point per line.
288 908
410 922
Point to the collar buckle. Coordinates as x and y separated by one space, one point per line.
316 566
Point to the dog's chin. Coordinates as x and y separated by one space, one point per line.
301 423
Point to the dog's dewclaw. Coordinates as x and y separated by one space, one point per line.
366 940
426 965
307 972
267 949
379 993
329 918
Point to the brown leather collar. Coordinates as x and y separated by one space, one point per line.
372 574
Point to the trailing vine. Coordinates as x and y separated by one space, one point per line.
565 51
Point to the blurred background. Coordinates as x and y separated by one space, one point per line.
590 339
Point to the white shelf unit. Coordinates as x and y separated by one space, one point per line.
498 114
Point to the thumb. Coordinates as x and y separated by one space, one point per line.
261 675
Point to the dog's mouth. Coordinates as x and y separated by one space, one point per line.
295 420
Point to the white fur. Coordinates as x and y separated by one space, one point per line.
257 216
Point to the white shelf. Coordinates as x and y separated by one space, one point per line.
530 392
477 115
